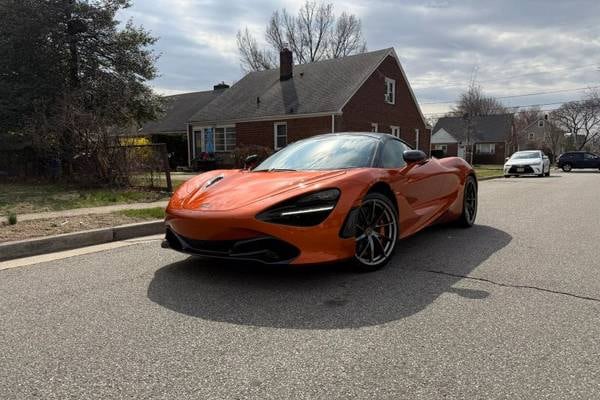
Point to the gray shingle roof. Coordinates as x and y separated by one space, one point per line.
179 110
316 87
489 128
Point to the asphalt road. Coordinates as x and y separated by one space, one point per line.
509 309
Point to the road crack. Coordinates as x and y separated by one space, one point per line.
508 285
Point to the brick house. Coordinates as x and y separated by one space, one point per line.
492 138
364 92
171 127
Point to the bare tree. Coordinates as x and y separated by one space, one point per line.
314 34
474 103
581 119
347 38
253 59
554 138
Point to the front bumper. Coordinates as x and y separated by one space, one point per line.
265 249
523 170
238 235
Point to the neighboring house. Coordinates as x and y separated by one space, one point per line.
364 92
491 138
172 127
534 135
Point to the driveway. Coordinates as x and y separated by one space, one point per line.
507 309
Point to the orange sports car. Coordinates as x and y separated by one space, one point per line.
339 196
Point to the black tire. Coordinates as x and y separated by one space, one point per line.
548 173
469 211
507 176
376 233
567 167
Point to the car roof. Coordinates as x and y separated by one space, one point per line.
376 135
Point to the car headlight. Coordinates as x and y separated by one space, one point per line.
307 210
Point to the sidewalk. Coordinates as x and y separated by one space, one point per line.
87 211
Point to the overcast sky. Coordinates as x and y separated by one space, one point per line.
514 47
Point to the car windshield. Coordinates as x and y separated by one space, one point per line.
323 152
526 154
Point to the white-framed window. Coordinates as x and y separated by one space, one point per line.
374 127
224 138
541 123
390 91
531 135
280 135
485 148
198 141
442 147
395 130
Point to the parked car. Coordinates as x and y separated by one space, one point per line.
530 162
578 160
326 198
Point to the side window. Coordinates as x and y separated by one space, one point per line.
392 155
589 156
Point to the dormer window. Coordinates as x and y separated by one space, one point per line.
390 91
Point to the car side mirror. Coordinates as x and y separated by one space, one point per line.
507 158
250 161
414 156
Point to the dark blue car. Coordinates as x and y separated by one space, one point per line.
578 160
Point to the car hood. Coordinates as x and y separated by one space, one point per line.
524 161
231 189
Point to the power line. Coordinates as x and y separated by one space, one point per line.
525 95
521 106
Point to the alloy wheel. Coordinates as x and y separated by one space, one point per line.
376 232
470 206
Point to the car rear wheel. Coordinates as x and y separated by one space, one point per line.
467 218
376 232
567 167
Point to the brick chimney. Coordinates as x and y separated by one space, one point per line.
286 64
221 86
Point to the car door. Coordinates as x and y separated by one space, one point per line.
422 189
577 160
590 160
546 162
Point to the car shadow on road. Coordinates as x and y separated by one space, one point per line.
425 266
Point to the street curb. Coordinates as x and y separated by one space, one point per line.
74 240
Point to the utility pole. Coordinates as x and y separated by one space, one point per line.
468 147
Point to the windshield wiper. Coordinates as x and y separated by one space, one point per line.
274 170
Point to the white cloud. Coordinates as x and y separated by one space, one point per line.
517 46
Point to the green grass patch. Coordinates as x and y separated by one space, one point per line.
488 171
145 213
30 198
12 218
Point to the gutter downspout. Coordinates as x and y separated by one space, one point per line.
190 143
417 132
332 123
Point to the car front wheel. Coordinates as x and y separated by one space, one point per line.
376 232
567 167
467 218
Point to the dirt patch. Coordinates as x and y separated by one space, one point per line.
56 226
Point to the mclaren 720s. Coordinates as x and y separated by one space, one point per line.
339 196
